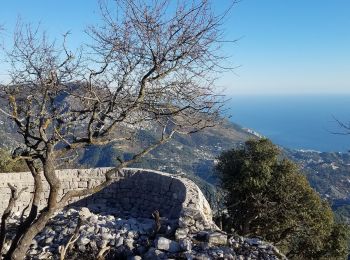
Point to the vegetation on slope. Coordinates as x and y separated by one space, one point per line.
7 164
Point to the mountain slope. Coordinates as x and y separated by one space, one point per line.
194 155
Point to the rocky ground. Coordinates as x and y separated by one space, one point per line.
135 238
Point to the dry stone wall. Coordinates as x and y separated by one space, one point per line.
119 217
134 193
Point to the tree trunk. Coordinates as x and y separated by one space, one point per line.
23 227
5 215
48 162
23 245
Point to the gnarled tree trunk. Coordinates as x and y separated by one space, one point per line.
38 190
31 228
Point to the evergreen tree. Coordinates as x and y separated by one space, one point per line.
267 196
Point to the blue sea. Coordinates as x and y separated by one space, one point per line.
306 122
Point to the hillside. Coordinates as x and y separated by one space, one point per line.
329 175
194 155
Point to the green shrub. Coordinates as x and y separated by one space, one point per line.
7 164
267 196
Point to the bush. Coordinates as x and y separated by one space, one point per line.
267 196
7 164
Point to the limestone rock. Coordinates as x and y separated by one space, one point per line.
165 244
83 241
153 254
136 257
84 213
181 233
119 241
217 238
185 244
129 243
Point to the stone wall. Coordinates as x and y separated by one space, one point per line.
135 192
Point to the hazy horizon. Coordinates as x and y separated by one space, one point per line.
295 121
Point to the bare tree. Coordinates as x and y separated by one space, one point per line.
149 67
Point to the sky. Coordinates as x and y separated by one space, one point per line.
282 47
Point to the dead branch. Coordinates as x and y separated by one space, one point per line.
156 218
13 198
64 249
103 252
34 206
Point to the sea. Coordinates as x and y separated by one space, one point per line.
304 122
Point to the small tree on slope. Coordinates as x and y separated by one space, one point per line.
268 197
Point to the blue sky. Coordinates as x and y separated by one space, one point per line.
284 46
